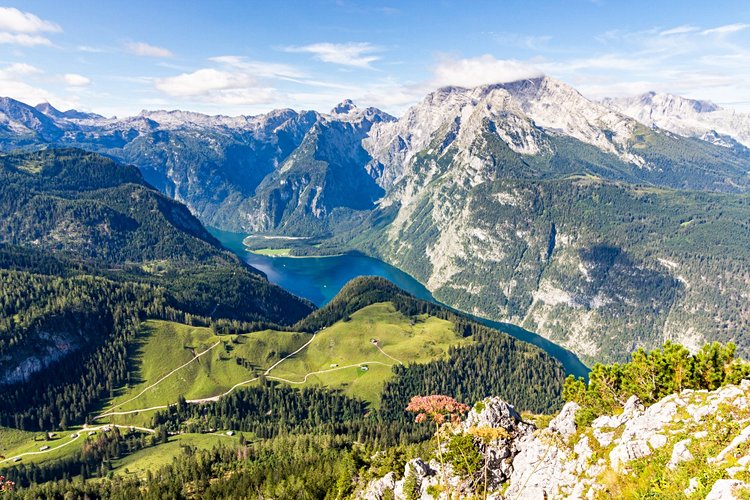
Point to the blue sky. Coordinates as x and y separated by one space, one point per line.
236 57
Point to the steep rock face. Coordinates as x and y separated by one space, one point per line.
492 413
23 124
321 180
696 440
577 260
506 201
687 117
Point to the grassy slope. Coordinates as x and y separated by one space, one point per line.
14 442
158 456
165 346
348 343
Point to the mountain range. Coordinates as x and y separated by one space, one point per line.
603 226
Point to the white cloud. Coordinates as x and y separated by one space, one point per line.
358 55
18 70
144 49
259 69
92 50
203 81
17 81
232 81
22 28
16 21
481 70
75 80
23 39
679 30
695 61
726 29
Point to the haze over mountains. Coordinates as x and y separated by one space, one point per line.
593 223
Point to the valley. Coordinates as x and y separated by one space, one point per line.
361 250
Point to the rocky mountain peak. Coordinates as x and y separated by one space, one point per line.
344 107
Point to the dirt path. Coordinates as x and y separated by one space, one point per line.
330 370
377 344
157 383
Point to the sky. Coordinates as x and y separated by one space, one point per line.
248 57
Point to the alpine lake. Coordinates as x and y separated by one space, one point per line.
319 279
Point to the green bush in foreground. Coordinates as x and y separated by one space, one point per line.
654 375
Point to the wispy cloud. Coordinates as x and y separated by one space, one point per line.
20 80
93 50
260 69
17 70
147 50
23 28
695 61
354 54
203 82
24 39
233 80
531 42
679 30
726 29
16 21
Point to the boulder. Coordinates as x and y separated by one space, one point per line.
680 453
725 489
565 422
656 441
627 452
494 412
379 488
693 485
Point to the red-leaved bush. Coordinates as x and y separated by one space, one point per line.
438 408
6 484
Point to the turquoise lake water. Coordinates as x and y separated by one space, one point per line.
319 279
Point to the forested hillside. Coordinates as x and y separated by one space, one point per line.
79 387
100 214
581 259
91 257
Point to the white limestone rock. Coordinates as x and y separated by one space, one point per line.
565 421
680 453
725 489
693 485
379 488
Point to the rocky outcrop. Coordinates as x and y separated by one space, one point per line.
700 437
